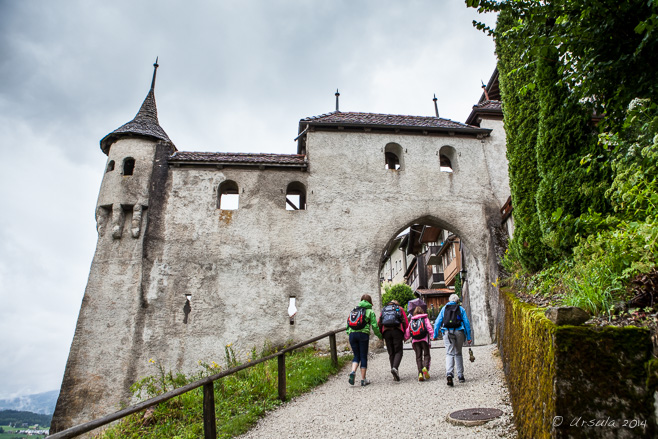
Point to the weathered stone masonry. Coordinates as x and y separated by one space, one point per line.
162 236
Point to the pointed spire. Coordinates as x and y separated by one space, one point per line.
155 70
337 96
436 107
145 123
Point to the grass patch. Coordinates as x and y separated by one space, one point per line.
240 399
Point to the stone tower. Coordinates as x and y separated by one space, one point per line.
102 350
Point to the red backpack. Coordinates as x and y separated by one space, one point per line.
357 318
417 329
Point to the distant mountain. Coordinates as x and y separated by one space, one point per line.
41 403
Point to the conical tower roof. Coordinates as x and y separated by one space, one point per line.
145 123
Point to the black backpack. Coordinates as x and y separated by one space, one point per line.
357 318
417 329
391 316
452 316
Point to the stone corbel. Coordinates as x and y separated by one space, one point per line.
102 215
136 224
118 218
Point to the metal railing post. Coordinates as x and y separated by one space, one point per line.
281 360
209 423
332 348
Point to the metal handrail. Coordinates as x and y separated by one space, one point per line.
209 424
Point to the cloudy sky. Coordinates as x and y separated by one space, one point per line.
235 75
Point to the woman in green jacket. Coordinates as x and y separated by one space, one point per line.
359 339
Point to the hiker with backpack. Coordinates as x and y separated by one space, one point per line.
359 322
455 328
420 330
393 324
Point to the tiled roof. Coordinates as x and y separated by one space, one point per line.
385 120
491 108
489 105
237 158
145 123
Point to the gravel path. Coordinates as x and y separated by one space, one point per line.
405 409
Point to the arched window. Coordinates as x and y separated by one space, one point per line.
229 195
447 159
393 156
110 166
128 166
296 196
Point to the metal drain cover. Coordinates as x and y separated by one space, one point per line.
476 416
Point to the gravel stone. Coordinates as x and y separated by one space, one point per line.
389 409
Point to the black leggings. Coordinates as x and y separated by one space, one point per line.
394 338
423 359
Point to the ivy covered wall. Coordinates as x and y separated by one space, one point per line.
521 126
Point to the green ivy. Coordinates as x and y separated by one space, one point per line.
521 126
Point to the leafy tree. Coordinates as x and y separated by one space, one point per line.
400 292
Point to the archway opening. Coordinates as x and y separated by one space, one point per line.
429 258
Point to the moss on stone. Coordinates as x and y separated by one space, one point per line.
579 373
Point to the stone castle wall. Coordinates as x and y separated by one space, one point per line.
242 266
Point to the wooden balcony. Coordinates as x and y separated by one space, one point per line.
437 281
433 255
451 270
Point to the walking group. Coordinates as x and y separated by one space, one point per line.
396 327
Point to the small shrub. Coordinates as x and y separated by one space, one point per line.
400 292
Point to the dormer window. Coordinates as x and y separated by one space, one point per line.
128 166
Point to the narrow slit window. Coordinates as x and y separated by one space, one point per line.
110 166
296 196
229 195
128 166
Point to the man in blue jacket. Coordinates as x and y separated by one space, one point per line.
455 328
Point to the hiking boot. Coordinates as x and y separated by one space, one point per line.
462 379
351 378
365 382
449 378
396 375
426 373
421 377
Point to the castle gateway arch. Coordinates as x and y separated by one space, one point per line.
197 250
